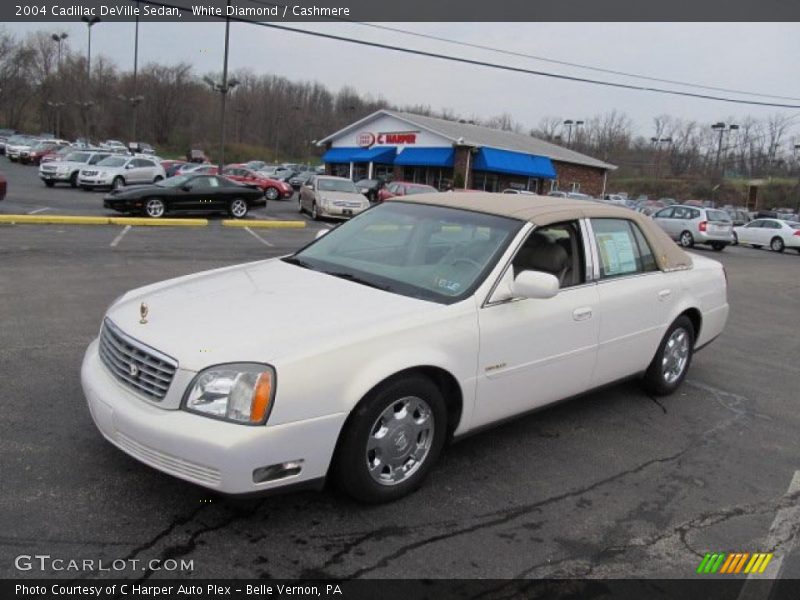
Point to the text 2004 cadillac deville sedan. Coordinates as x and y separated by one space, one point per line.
420 320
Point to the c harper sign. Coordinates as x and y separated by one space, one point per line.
367 139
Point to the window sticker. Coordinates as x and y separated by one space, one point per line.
616 253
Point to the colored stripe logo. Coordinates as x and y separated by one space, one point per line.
734 563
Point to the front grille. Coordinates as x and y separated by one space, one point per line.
347 204
139 367
89 173
172 464
49 168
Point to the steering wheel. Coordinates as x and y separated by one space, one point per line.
468 261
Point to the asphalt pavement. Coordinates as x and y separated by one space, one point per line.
612 484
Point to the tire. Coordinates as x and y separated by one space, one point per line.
314 213
238 208
735 239
686 239
154 208
672 360
718 246
411 413
756 246
73 179
777 245
86 188
271 193
49 183
157 178
118 183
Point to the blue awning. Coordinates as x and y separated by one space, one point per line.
514 163
340 155
426 157
378 154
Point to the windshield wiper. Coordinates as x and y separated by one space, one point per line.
300 263
356 279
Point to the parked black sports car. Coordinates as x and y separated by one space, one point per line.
187 193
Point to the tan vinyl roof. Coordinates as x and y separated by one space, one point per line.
545 210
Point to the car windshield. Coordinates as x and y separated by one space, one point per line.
112 161
718 215
428 252
18 139
420 189
79 157
176 181
337 185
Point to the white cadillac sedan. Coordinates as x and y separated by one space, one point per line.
420 320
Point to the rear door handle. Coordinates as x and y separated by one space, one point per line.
664 294
581 314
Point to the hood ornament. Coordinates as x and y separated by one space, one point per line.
143 310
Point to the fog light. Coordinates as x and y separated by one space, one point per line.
279 471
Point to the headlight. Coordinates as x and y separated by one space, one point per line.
237 392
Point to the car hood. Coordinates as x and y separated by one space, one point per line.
259 312
67 163
130 191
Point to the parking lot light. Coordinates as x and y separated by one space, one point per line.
90 22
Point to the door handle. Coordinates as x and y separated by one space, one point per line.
581 314
664 294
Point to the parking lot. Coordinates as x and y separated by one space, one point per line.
612 484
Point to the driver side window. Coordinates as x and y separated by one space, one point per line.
556 249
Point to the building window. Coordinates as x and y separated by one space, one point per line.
554 185
575 187
340 169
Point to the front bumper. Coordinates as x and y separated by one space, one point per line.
93 182
53 176
338 212
210 453
708 237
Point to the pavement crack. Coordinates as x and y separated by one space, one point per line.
658 403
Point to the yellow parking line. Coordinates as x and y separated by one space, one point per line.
85 220
264 224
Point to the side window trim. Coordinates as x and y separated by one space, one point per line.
590 251
639 259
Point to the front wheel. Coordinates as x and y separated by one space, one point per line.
391 440
686 239
238 208
73 179
271 193
49 183
157 178
154 208
777 245
314 212
671 362
735 239
118 183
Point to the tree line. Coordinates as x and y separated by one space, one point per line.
44 88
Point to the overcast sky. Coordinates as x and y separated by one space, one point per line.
748 56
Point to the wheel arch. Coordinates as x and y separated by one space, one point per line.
442 378
696 317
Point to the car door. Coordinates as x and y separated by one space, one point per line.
536 351
635 299
139 171
749 233
769 229
196 194
664 220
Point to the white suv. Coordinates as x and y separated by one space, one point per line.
117 171
66 170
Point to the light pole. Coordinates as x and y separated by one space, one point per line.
657 141
56 106
569 124
722 128
90 22
58 38
85 107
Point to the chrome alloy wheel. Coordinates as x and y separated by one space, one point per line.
676 355
399 440
154 208
238 208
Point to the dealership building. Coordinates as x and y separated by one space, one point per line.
409 147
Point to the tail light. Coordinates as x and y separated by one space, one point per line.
703 225
797 233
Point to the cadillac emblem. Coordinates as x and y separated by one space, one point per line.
143 310
133 370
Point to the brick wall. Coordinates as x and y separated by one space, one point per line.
589 178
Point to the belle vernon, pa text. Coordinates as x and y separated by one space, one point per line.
135 589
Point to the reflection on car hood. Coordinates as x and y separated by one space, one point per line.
258 312
341 195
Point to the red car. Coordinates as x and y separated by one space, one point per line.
55 154
35 154
171 166
273 189
3 186
404 188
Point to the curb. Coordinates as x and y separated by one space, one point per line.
81 220
264 224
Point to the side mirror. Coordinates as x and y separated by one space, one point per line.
535 284
129 166
320 233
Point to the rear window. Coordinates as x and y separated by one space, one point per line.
718 215
794 225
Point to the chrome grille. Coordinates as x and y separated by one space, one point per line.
347 203
48 168
141 368
89 173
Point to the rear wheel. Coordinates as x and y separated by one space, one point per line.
777 245
271 193
238 208
686 239
756 246
73 180
718 246
157 178
49 183
671 362
154 208
735 239
391 440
